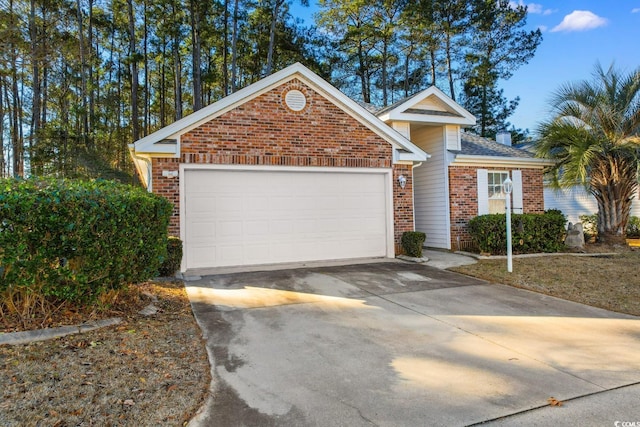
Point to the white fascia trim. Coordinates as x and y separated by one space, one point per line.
428 119
400 157
475 160
397 113
143 166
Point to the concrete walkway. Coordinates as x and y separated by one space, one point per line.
401 344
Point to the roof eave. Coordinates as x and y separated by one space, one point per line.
475 160
427 119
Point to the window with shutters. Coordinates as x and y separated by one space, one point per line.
491 198
497 197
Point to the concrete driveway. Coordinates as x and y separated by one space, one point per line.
400 344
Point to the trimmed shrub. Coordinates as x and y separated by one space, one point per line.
412 242
73 240
589 226
633 227
172 262
530 233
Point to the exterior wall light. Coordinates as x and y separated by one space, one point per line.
508 188
402 180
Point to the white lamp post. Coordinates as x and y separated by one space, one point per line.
508 188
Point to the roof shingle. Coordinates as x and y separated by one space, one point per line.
478 146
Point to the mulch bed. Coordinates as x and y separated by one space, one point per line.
145 371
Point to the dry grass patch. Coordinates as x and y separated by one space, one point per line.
610 282
146 371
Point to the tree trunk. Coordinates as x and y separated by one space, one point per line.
134 72
147 75
196 66
14 128
234 49
89 59
613 183
83 77
272 34
35 77
449 66
225 50
362 72
432 54
2 161
177 71
385 58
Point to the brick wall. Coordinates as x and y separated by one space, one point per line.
463 199
264 131
402 204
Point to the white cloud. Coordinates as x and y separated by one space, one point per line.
536 8
580 20
635 10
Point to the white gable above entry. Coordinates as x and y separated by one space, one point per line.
431 106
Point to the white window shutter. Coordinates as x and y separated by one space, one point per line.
483 192
518 205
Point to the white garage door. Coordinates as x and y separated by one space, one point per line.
241 217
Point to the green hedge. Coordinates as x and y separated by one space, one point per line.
172 262
633 227
590 226
73 240
531 233
412 242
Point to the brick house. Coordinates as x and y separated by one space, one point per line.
289 169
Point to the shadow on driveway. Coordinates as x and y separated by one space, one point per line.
394 344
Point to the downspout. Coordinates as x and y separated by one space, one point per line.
413 192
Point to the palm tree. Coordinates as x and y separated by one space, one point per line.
594 137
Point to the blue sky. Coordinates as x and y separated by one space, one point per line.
576 35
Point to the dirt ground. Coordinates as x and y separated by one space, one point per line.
146 371
611 282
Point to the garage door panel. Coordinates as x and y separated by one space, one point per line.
257 217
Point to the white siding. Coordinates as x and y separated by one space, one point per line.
402 128
577 201
431 192
453 137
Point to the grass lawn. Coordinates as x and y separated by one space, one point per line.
147 371
611 282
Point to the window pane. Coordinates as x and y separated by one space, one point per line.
497 206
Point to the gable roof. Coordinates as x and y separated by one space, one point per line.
479 150
431 106
166 141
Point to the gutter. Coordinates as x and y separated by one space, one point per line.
475 160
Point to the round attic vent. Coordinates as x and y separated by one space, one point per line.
295 100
